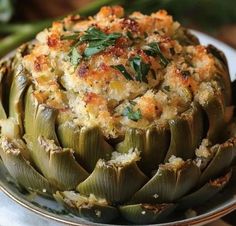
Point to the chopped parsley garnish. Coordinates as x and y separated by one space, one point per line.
153 49
130 35
74 37
140 68
97 40
123 70
75 56
131 114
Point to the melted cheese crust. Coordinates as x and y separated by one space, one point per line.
97 94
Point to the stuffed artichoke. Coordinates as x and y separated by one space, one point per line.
118 116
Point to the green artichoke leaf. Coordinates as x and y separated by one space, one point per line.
39 119
115 180
92 146
204 193
90 208
223 72
3 71
186 133
220 78
184 37
171 181
13 153
223 158
68 134
146 213
153 145
57 164
217 54
215 111
157 142
18 87
134 138
5 84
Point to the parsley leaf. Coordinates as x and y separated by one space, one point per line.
97 40
70 37
153 49
140 68
123 70
131 114
75 56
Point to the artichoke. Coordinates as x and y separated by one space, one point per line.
118 116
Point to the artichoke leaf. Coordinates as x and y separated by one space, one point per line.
146 213
92 146
215 111
204 193
185 37
90 208
3 73
224 72
171 181
57 164
68 135
157 141
39 119
6 75
134 138
223 158
15 160
152 144
18 87
221 77
188 126
115 180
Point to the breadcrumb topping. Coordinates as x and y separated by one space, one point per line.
119 71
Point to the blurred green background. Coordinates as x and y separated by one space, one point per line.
20 20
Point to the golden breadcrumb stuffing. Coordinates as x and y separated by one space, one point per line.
118 71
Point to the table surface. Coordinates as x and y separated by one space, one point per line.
12 214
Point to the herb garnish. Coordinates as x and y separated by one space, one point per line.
130 35
153 49
131 114
140 68
70 37
97 40
123 70
75 56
